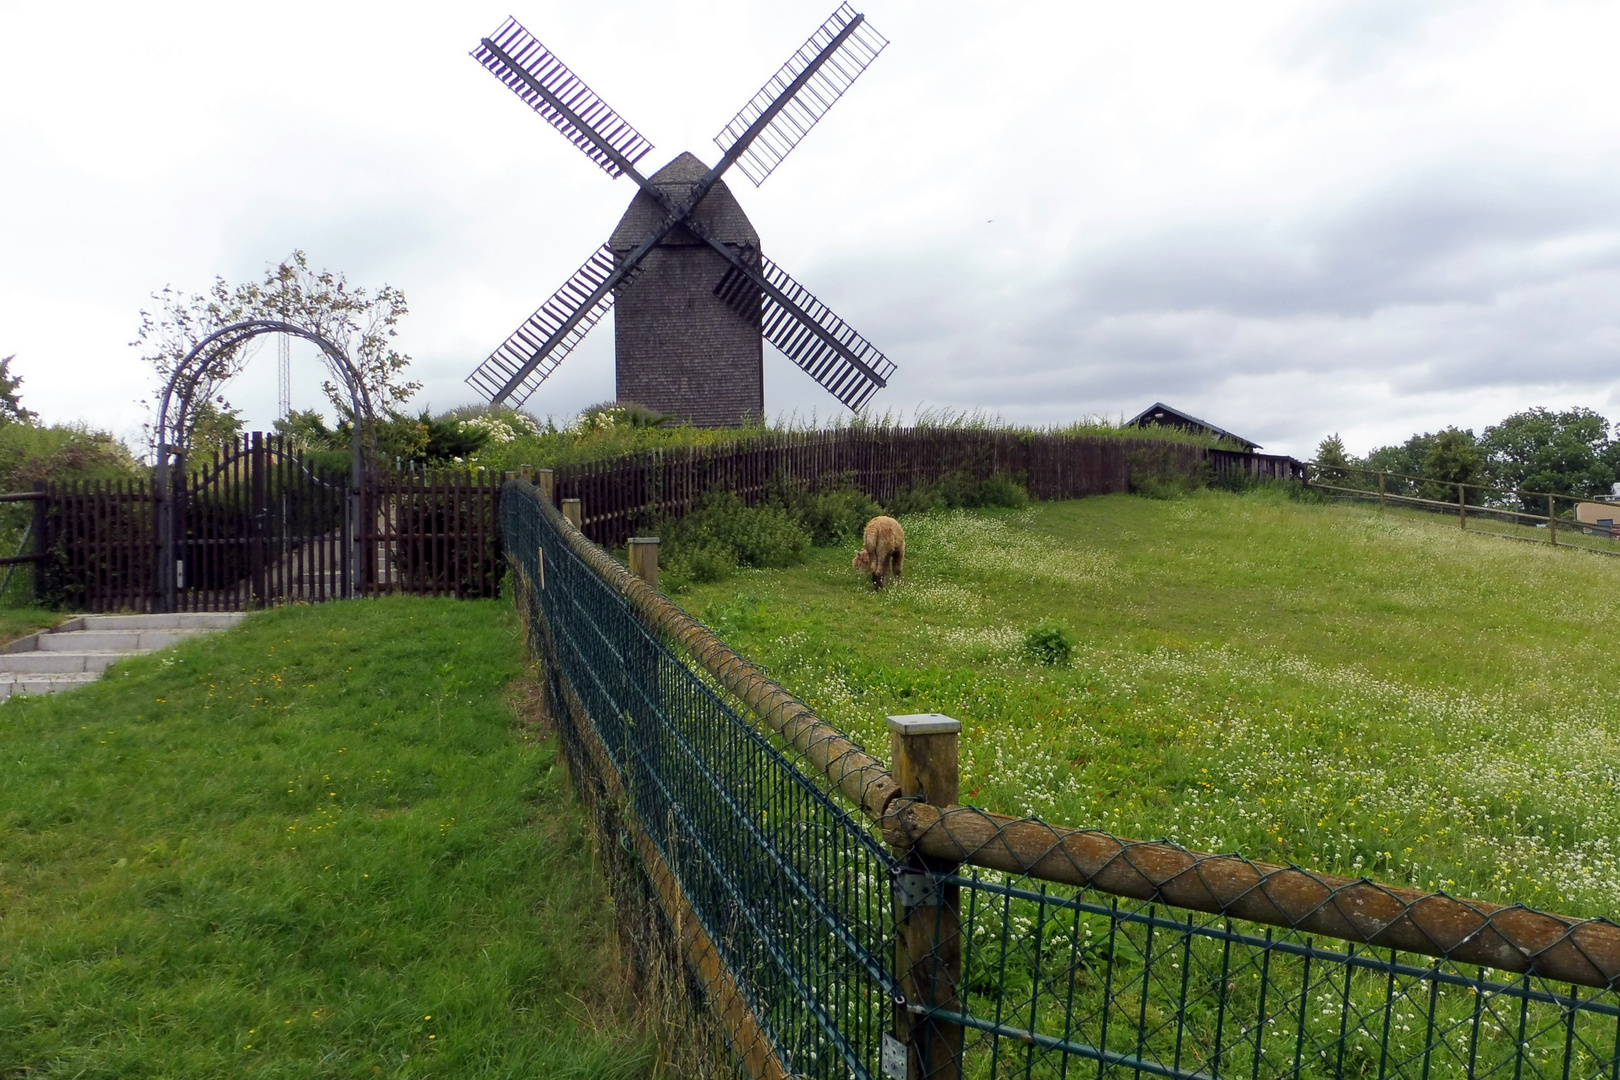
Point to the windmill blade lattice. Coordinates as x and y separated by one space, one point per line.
607 135
810 102
547 336
851 381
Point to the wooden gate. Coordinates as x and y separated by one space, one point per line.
260 525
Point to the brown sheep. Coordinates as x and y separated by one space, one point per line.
884 550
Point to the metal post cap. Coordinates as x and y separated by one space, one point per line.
928 723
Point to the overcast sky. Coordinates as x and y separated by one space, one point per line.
1287 218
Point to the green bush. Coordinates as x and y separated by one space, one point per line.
1049 643
960 489
833 514
721 534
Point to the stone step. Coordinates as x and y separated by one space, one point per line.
111 640
53 662
14 684
179 620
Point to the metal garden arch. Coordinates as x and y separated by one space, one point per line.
188 373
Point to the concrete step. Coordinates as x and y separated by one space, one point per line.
14 684
54 662
179 620
111 640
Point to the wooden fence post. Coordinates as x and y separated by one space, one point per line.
927 915
644 558
1552 520
546 481
42 543
573 512
1462 507
1381 477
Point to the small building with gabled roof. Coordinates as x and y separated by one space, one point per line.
1161 415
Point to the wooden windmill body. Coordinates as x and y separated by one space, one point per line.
678 348
696 299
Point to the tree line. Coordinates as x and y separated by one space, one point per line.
1574 452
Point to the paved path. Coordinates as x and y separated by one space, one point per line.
79 650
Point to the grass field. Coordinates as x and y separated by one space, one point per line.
1299 682
317 845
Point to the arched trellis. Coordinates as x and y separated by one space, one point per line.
188 374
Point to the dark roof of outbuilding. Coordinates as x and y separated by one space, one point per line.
718 210
1159 410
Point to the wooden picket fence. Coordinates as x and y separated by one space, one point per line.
623 495
261 526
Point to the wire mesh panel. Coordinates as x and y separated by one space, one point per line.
1060 981
792 890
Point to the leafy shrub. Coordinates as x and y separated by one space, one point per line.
960 488
1049 643
1165 472
832 514
721 534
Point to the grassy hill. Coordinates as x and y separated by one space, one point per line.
321 844
1354 692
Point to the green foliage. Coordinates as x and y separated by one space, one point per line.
317 845
216 427
1300 682
62 453
360 323
957 490
722 533
1565 453
11 406
1049 643
1454 457
1166 472
834 513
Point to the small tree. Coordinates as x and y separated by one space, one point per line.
1331 458
1454 457
360 323
11 406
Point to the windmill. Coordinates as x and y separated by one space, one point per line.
695 296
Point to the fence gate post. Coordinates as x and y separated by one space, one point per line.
546 481
1552 521
573 512
42 543
644 558
927 915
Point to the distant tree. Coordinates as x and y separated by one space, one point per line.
1333 462
11 407
1565 453
215 427
323 302
1454 457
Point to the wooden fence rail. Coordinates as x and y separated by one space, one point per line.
260 527
624 494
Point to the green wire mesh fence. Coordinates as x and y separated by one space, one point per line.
838 919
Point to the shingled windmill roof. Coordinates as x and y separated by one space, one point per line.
718 211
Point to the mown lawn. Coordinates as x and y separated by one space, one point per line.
1321 684
317 845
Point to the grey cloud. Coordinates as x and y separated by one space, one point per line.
1354 38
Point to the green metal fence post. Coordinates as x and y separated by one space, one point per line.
927 914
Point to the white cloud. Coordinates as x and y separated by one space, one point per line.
1292 218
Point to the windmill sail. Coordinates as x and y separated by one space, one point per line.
808 333
516 58
808 103
524 360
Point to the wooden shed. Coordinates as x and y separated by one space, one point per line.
1161 415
